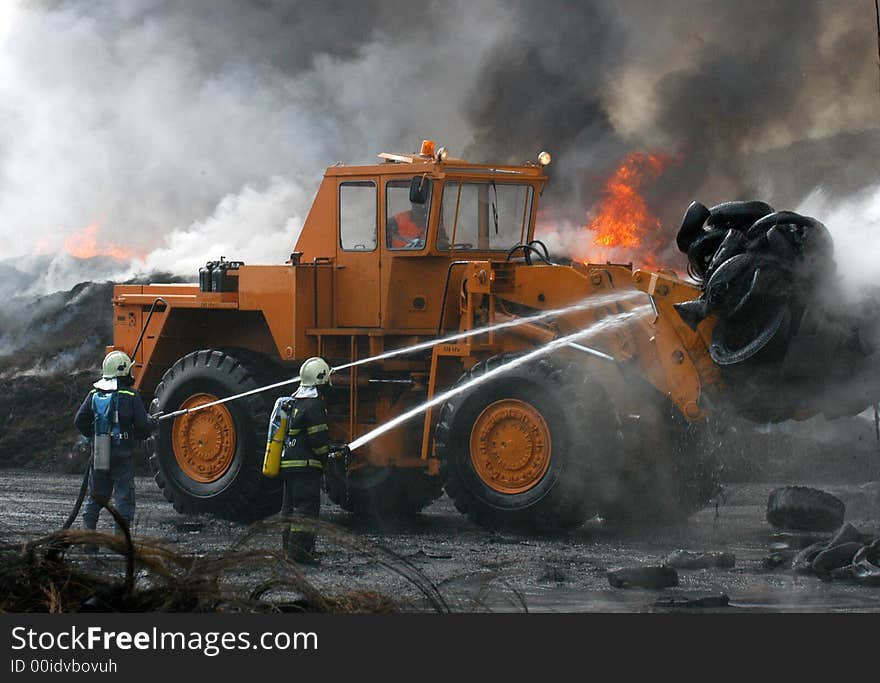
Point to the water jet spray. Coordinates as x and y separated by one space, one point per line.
603 325
589 303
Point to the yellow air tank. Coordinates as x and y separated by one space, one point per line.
275 442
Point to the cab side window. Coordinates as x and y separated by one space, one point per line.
357 216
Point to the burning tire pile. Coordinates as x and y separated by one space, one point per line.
769 278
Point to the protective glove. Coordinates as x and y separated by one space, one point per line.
340 452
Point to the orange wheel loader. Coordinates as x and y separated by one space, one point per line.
415 248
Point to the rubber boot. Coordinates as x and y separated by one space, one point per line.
302 546
90 548
285 542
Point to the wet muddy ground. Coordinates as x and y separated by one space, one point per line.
478 570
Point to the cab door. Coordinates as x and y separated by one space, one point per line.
357 254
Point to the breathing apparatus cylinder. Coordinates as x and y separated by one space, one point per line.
101 452
277 433
106 410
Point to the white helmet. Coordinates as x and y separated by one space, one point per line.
313 372
116 364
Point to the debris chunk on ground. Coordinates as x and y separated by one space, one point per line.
661 576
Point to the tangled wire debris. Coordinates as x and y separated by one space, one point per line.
41 576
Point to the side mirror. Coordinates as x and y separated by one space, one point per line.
419 189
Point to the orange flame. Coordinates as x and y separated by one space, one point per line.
623 220
622 228
84 244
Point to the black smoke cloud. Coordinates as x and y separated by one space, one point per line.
773 100
752 99
541 87
193 129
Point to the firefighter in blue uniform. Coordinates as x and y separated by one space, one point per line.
302 463
133 424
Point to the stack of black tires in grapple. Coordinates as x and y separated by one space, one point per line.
787 344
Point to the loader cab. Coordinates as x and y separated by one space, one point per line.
391 230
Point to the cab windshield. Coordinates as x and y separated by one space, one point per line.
483 215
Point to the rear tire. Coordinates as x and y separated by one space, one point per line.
211 461
559 425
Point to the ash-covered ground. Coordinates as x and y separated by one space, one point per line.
478 570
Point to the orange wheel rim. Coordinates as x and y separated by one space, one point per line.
510 446
204 441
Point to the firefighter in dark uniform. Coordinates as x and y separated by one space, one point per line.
302 462
134 424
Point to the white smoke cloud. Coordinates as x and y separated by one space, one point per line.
854 223
255 226
136 117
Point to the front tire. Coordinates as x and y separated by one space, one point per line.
528 449
210 461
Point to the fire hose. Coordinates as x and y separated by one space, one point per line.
84 486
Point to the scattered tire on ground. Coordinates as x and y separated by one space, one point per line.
845 555
799 507
803 561
866 564
835 557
